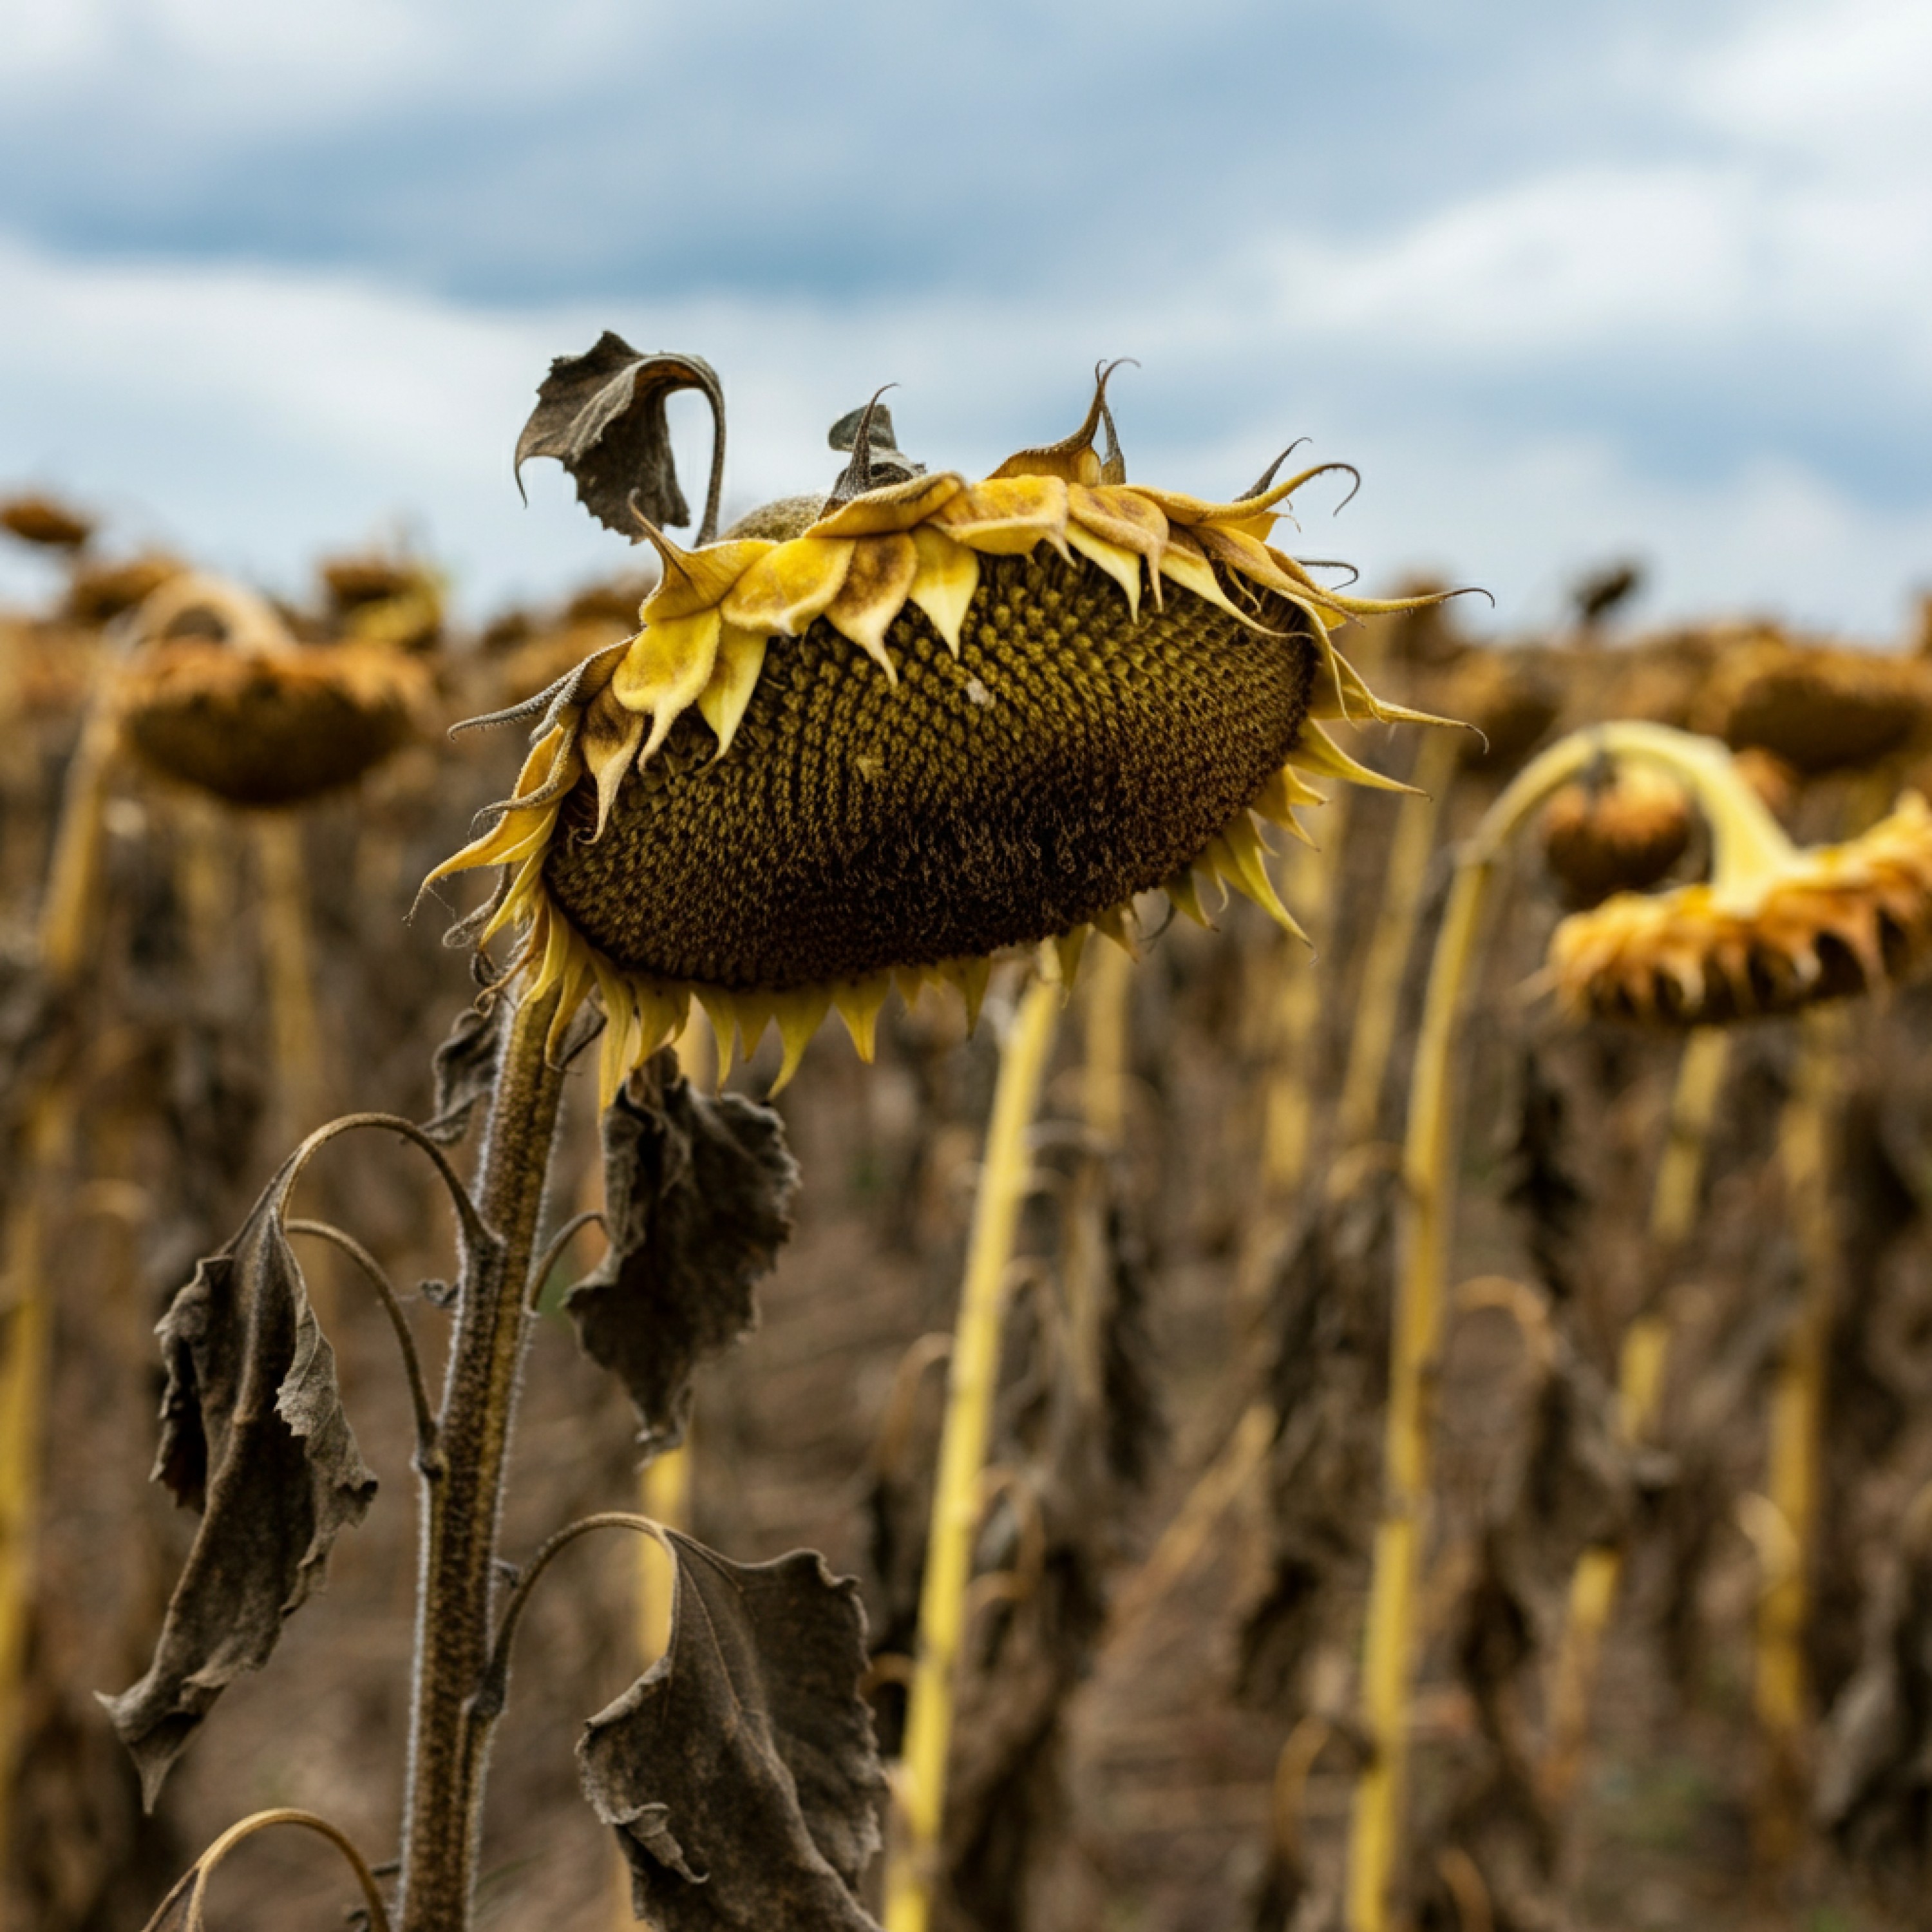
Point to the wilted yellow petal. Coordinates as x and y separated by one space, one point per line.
741 657
799 1015
1235 852
695 580
1113 924
1122 566
1069 945
968 977
1184 892
943 584
898 506
611 734
858 1007
1183 560
1315 751
1008 516
666 668
789 586
1121 515
874 593
721 1009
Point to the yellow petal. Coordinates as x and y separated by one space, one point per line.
1278 799
1315 751
696 580
858 1007
799 1015
741 657
786 589
526 895
721 1009
1007 516
1353 699
506 841
1113 923
943 585
912 981
1183 560
874 593
1069 945
1235 853
1121 515
667 667
618 1053
1121 565
1184 892
611 735
898 506
968 977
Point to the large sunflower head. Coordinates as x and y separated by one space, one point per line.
217 695
877 736
1619 828
1778 927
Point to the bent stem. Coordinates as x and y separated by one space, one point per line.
972 1374
1742 833
462 1490
190 1894
1643 1363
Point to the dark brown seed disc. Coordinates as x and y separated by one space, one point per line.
1068 760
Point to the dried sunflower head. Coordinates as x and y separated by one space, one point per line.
375 598
1819 708
43 520
1618 828
218 695
877 737
1779 926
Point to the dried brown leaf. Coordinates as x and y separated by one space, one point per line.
740 1772
602 414
253 1436
464 1069
697 1194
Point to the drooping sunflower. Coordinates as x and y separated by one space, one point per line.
219 695
877 737
1620 828
1779 926
1817 707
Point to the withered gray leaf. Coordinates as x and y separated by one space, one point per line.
464 1068
602 414
254 1437
698 1195
739 1772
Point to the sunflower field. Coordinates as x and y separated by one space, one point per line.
992 1212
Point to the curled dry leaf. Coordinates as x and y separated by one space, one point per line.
739 1772
602 414
464 1069
254 1437
698 1195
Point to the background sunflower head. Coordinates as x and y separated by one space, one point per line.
217 695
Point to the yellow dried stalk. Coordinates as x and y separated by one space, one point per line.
25 1303
971 1376
1372 1035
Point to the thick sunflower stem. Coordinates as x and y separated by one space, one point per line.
1643 1363
974 1371
1788 1529
463 1491
1744 837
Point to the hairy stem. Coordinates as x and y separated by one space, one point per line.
463 1506
974 1371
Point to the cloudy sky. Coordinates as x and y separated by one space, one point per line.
1567 283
